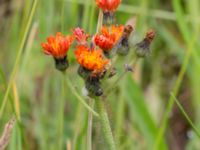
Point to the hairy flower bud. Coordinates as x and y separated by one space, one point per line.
122 46
92 84
143 47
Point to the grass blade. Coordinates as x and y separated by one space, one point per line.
14 70
186 116
140 113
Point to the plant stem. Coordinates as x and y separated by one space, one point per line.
14 70
105 124
89 130
61 113
100 21
76 128
119 116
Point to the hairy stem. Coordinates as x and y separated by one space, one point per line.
89 130
107 133
61 113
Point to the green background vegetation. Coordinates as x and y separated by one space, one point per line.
138 108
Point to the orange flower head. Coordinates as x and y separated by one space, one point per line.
57 46
92 60
81 36
108 5
108 37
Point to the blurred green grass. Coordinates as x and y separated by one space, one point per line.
133 116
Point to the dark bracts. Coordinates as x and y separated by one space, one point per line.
61 63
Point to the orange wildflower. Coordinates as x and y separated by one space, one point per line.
57 46
108 5
92 60
80 36
108 37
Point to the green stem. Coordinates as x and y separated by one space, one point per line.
76 127
105 124
74 91
119 117
100 21
61 113
89 130
14 70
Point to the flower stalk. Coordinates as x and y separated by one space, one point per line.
61 113
89 129
107 132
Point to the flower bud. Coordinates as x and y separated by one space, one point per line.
92 84
143 47
122 46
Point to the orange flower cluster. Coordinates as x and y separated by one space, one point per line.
57 46
108 5
108 37
93 62
91 59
